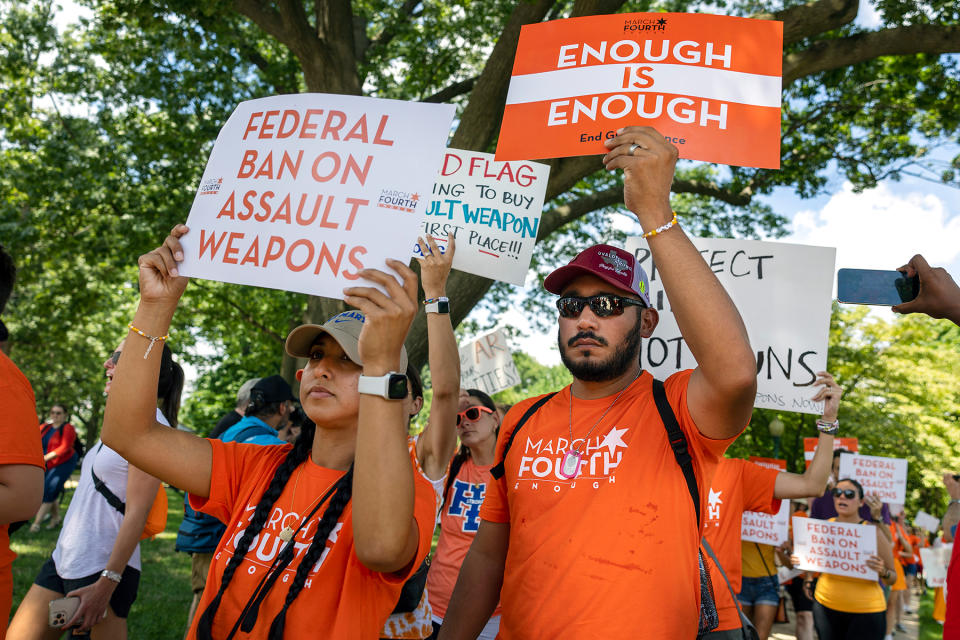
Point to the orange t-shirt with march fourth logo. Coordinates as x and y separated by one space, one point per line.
611 553
341 598
738 486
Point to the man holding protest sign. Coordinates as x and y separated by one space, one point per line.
740 486
599 506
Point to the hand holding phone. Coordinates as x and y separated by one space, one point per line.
62 610
939 295
869 286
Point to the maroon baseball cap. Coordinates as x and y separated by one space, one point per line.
612 264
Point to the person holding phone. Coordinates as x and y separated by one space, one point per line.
340 519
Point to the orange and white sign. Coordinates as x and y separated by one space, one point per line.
710 84
834 547
810 447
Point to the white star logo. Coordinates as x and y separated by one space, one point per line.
714 498
613 440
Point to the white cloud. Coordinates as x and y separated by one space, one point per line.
878 229
867 15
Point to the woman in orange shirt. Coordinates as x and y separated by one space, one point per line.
320 535
478 424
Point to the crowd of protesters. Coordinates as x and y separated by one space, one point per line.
606 509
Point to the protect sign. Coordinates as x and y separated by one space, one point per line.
492 209
487 364
710 84
767 528
886 477
810 447
783 293
301 192
834 547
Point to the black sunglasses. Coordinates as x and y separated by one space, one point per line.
849 494
603 305
115 357
472 414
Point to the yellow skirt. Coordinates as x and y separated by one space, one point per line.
939 605
901 583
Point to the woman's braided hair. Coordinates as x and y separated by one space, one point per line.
343 488
464 452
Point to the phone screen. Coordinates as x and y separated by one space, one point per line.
869 286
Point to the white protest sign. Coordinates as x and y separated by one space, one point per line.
926 521
493 210
303 191
487 364
895 508
783 292
834 547
886 477
766 528
935 561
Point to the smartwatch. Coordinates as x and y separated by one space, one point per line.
437 305
392 386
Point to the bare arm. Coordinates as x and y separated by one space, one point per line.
129 424
385 533
141 492
723 387
952 516
814 479
478 586
438 442
21 490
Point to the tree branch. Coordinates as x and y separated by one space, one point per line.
456 89
247 316
806 20
826 55
552 220
595 7
390 31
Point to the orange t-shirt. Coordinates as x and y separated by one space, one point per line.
21 445
614 550
459 521
738 486
341 598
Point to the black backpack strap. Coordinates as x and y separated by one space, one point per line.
249 432
104 490
497 471
678 442
749 631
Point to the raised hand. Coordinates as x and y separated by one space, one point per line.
829 394
160 281
939 295
435 265
648 162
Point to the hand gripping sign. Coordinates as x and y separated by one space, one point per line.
782 291
886 477
710 84
834 547
301 192
493 210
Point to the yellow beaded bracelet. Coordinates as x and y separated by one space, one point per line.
152 339
661 228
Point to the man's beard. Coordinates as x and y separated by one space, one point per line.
616 365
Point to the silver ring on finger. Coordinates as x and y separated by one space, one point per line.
633 147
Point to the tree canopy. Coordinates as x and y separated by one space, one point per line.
106 127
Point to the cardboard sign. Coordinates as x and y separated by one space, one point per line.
886 477
767 528
895 508
487 364
783 292
493 210
834 547
810 447
935 561
710 84
303 191
926 521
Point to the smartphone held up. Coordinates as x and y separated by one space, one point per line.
874 287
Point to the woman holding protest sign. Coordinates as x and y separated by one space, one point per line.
846 608
96 562
321 534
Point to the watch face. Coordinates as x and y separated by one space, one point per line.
397 386
443 306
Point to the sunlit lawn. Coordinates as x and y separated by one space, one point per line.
163 599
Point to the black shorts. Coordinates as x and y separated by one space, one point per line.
123 596
800 600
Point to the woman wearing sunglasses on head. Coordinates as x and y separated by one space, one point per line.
477 425
846 608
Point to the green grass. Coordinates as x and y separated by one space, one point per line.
930 629
163 599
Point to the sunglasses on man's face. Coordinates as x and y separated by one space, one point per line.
472 414
849 494
603 305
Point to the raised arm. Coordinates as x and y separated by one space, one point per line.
385 533
438 441
129 423
814 479
94 598
723 387
478 586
